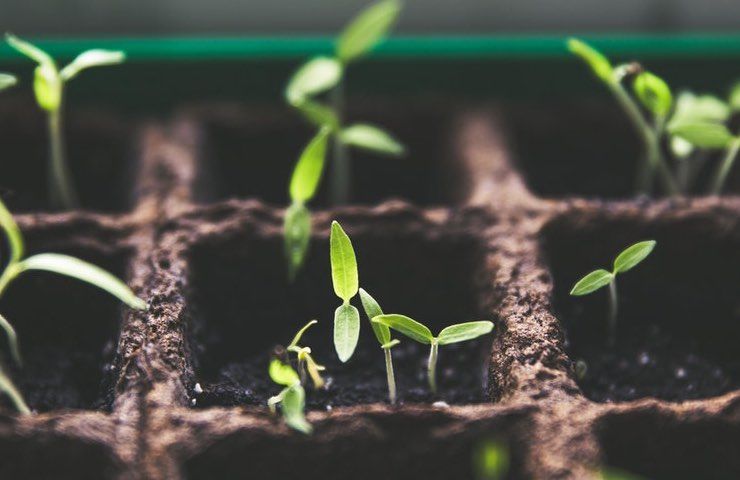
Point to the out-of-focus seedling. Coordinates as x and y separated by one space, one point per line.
7 80
491 460
460 332
614 474
57 263
8 388
48 86
346 284
304 360
597 279
292 399
322 74
383 334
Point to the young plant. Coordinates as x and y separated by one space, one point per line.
597 279
57 263
383 334
346 284
48 86
292 398
304 360
322 74
460 332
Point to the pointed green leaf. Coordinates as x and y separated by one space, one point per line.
297 237
313 77
29 50
15 239
81 270
599 64
702 134
633 255
7 387
367 29
653 93
346 331
318 114
293 406
15 351
592 282
372 310
310 166
407 326
7 80
92 58
343 263
372 138
300 333
463 332
282 374
47 86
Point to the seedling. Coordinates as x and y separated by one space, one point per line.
491 460
322 74
292 398
57 263
460 332
346 284
690 123
305 361
383 334
8 388
48 86
597 279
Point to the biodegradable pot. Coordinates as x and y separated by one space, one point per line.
465 239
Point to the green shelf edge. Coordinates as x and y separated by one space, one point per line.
199 48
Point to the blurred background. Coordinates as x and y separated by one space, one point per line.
155 17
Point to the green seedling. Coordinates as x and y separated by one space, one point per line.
292 398
460 332
383 334
48 86
688 123
346 284
304 360
57 263
491 460
597 279
325 73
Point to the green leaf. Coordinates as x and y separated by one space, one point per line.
734 99
87 272
15 239
633 255
699 108
708 135
372 310
599 64
300 333
283 374
310 166
7 80
15 350
407 326
47 86
29 50
367 29
293 406
463 332
7 387
680 147
372 138
92 58
390 344
592 282
297 237
318 114
653 93
343 263
313 77
346 331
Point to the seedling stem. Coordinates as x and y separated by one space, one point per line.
432 366
341 173
61 189
725 166
613 311
390 375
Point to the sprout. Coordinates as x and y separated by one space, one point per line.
57 263
460 332
346 284
305 361
322 74
48 86
597 279
383 334
491 460
292 398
